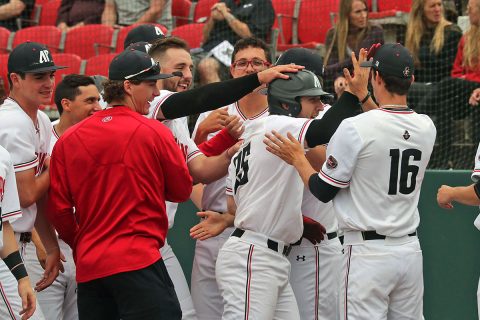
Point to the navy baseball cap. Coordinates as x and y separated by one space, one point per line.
393 60
135 65
144 32
31 57
141 46
310 60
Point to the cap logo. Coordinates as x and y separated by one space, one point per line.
158 31
147 47
377 63
44 56
317 82
406 72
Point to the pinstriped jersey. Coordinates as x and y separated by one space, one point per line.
9 203
180 132
214 193
476 170
378 159
267 191
28 145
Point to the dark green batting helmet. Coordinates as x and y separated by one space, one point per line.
304 83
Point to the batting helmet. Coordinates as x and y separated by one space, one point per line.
304 83
310 60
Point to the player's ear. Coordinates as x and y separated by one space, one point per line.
65 104
127 86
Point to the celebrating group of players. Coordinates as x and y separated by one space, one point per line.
268 245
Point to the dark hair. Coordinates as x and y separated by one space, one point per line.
251 42
395 85
68 88
21 74
159 46
113 90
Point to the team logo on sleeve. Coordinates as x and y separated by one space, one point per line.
332 163
406 135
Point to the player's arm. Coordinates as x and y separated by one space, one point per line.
208 169
469 195
11 256
215 95
154 11
109 15
316 156
224 139
31 188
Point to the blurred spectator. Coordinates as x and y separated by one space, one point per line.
232 20
433 42
451 96
10 10
127 12
76 13
352 32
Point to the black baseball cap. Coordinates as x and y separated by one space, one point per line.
393 60
135 65
304 57
31 57
144 32
141 46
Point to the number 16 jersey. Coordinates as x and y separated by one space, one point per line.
378 159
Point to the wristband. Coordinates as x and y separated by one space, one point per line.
14 262
366 98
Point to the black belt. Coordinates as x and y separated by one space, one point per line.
330 236
25 237
271 244
373 235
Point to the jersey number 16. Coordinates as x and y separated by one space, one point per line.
408 172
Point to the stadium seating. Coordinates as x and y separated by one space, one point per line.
4 72
4 37
284 19
98 65
202 10
89 40
48 13
122 34
191 33
315 20
181 12
47 35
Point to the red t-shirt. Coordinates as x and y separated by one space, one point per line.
116 168
459 70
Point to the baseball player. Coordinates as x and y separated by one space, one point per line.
9 211
374 170
250 56
469 195
76 97
25 133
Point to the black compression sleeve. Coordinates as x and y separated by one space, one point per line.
320 131
320 189
476 187
208 97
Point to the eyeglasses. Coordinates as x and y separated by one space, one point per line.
257 64
155 67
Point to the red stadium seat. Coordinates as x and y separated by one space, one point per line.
89 40
49 13
4 72
47 35
122 34
181 12
191 33
284 19
202 10
315 20
98 65
395 5
4 36
72 61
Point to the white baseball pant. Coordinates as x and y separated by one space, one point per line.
381 279
59 300
206 297
10 302
179 282
315 278
253 280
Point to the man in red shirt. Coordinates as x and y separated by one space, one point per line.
117 168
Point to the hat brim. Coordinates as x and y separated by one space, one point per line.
315 92
154 77
46 69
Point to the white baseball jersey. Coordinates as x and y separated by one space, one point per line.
213 197
9 203
476 170
267 191
380 178
28 145
179 128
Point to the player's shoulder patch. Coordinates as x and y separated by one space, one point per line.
331 163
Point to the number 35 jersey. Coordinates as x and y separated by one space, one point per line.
267 191
378 159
